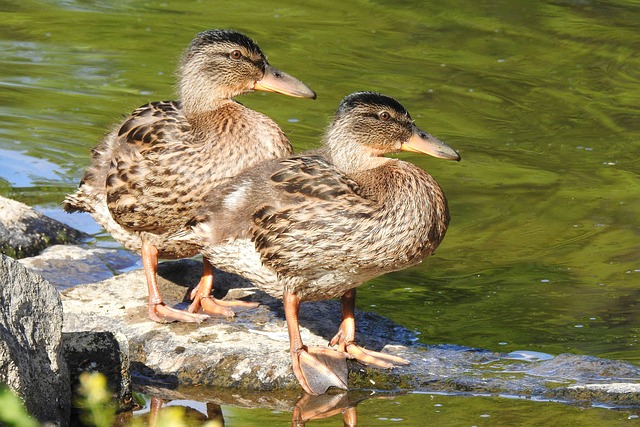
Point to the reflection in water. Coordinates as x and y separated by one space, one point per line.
324 406
335 403
361 406
211 413
22 170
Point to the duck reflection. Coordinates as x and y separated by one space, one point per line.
327 405
306 409
210 415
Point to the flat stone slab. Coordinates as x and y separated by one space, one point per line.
249 353
65 266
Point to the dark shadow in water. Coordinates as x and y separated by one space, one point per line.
146 376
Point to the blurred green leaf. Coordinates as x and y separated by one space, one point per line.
12 410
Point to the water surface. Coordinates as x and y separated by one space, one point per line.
541 99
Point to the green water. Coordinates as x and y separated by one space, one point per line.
541 98
430 410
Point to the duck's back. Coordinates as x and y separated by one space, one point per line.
138 177
143 124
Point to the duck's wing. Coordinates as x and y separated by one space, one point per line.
311 178
313 224
153 122
120 149
137 147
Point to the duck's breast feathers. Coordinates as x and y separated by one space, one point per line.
417 206
245 134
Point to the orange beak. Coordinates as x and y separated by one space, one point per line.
424 143
275 80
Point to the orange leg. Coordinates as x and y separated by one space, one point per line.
347 334
316 369
350 417
205 302
159 311
154 410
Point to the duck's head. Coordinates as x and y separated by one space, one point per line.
221 64
372 125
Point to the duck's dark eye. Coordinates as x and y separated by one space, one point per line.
384 116
236 54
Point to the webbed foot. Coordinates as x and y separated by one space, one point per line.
317 369
162 313
213 306
376 359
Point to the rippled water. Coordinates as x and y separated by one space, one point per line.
540 98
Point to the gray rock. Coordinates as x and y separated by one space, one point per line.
31 361
25 232
250 351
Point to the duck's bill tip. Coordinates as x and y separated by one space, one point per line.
424 143
278 81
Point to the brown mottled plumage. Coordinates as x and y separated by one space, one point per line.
150 175
316 226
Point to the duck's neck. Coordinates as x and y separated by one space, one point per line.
196 104
351 159
199 96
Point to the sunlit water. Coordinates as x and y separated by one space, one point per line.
540 98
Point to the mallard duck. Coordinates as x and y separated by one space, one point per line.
316 226
149 175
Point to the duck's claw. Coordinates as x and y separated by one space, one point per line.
374 358
317 369
345 337
212 306
204 302
162 313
